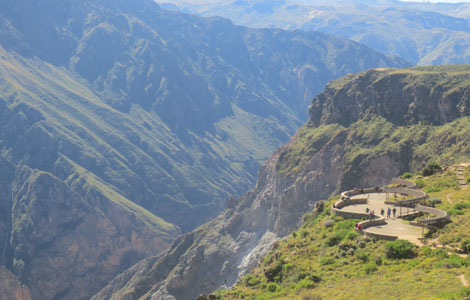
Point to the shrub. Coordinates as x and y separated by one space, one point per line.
333 240
431 168
464 292
352 235
272 287
362 256
378 261
326 261
406 175
453 261
465 245
399 249
250 280
305 284
314 277
462 205
275 272
432 190
371 268
420 183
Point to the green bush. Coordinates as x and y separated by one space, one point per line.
305 284
453 261
420 183
274 273
250 280
399 249
462 205
327 261
333 240
352 235
315 278
465 245
371 268
407 175
272 287
432 190
362 256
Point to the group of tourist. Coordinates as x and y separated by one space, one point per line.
382 213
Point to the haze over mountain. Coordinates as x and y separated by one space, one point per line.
422 33
123 124
364 129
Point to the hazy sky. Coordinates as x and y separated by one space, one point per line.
452 1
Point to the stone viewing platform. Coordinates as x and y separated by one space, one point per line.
359 203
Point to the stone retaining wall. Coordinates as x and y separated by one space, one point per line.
441 216
355 192
418 195
405 183
375 222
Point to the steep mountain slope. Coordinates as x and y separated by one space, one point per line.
364 129
122 124
422 33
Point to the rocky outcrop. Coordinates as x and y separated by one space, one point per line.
433 95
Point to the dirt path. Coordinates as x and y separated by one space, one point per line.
463 280
449 198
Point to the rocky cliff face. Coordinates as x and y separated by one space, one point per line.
11 288
433 95
326 155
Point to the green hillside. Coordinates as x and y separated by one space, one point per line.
327 259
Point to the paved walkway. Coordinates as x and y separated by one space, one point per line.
394 226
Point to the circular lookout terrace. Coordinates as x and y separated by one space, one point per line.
403 199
